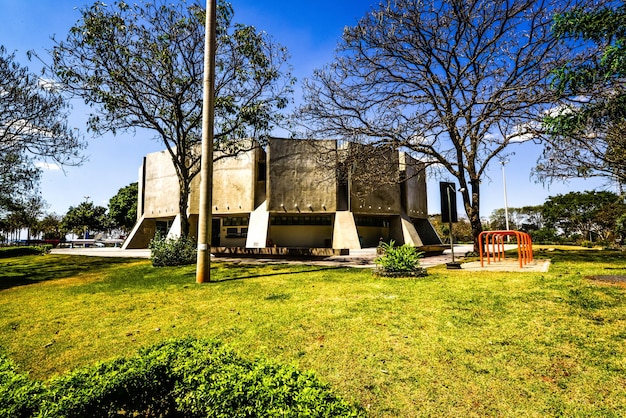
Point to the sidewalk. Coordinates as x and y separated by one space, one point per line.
357 258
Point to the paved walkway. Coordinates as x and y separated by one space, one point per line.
357 258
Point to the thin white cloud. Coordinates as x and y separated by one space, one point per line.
47 166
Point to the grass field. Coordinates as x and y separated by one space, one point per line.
455 343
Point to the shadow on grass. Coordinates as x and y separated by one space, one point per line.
26 270
585 256
290 272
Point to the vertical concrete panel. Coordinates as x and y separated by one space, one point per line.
374 188
298 182
234 184
416 204
161 189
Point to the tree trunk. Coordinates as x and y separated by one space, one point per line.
472 209
183 203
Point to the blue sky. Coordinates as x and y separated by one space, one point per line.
309 29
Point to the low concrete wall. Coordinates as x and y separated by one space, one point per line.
277 252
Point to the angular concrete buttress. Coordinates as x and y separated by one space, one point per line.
257 227
409 233
345 234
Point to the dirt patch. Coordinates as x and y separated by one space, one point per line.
614 279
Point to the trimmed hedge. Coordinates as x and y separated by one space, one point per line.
177 378
7 252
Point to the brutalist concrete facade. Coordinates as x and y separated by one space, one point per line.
297 194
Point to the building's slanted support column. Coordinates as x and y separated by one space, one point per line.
409 233
345 234
136 239
258 227
175 229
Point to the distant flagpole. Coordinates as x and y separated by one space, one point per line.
203 268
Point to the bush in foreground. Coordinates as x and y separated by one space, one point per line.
177 378
172 251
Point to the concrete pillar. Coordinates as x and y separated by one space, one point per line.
409 233
345 234
258 227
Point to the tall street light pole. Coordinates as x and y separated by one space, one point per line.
506 204
450 220
203 267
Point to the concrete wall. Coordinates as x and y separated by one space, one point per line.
296 179
414 196
305 236
373 187
161 190
234 184
297 182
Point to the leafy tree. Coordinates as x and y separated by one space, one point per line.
462 229
123 207
85 218
50 226
33 210
588 131
453 82
526 219
588 215
140 65
33 126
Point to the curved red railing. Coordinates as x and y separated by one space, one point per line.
495 239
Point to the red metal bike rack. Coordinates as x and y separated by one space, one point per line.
495 239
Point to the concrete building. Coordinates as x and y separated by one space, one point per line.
294 195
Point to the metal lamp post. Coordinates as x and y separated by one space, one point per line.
506 205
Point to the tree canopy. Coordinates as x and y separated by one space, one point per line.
33 126
85 218
591 215
140 65
588 131
454 83
123 207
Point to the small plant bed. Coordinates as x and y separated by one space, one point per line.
402 261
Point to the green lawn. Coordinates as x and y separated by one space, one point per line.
454 343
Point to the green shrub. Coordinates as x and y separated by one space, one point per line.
7 252
178 378
402 259
18 394
172 251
